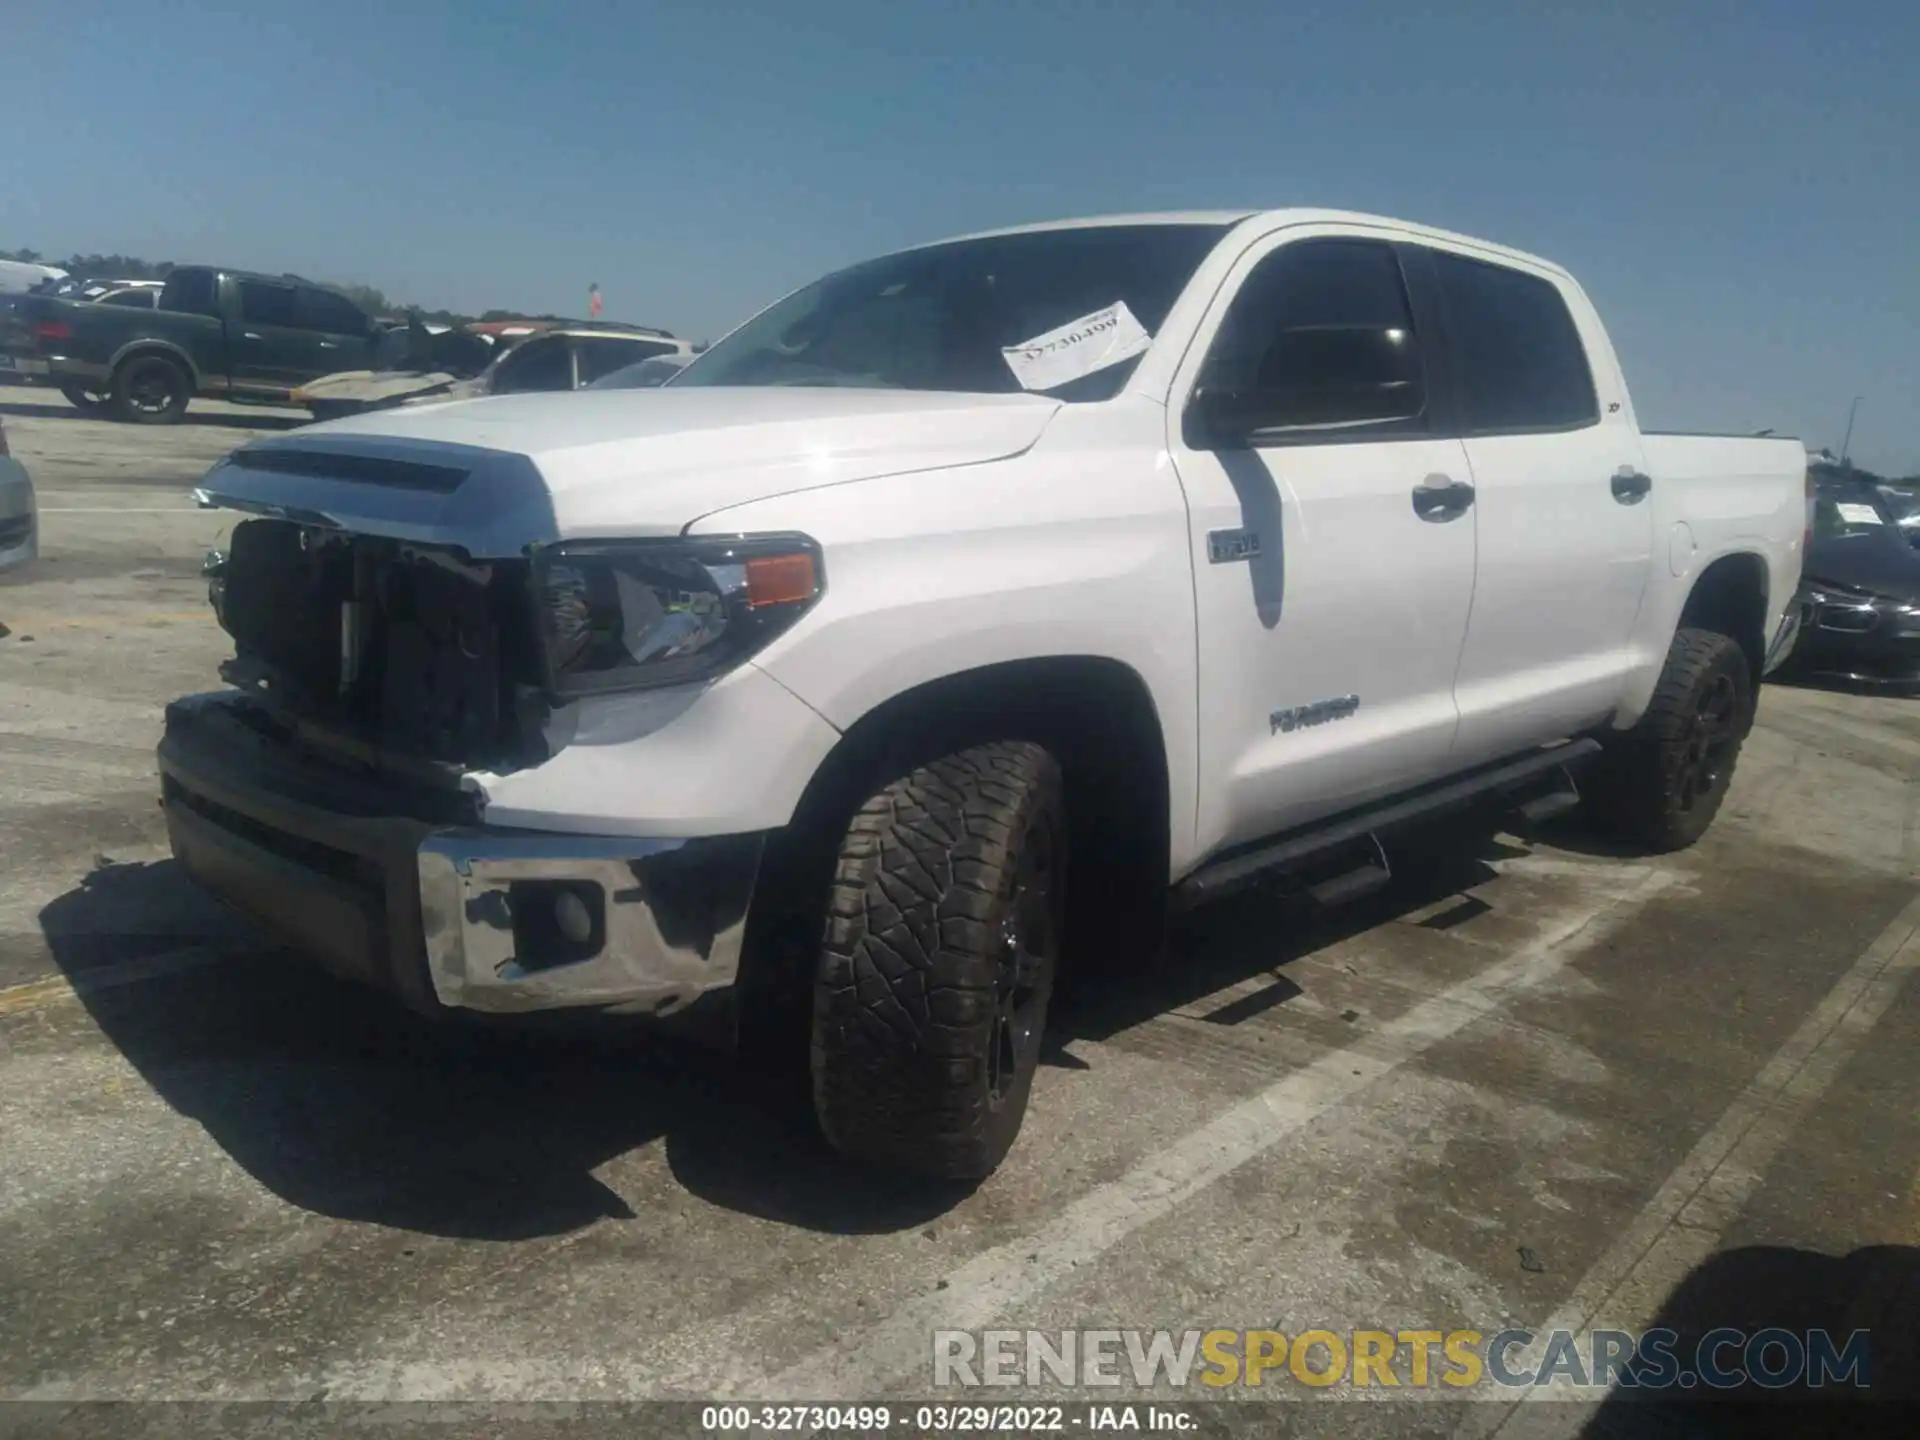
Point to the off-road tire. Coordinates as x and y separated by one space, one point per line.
150 390
1661 783
87 402
943 877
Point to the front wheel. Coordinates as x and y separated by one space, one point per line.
1663 782
942 940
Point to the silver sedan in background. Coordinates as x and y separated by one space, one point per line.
19 524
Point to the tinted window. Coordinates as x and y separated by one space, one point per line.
543 364
1321 336
1840 510
262 304
1523 367
333 314
136 299
938 318
644 375
604 356
193 291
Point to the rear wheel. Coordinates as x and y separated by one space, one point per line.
942 940
1662 784
87 402
150 390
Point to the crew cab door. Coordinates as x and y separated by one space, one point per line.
1312 428
1563 508
269 350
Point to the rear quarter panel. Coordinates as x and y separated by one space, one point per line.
1715 496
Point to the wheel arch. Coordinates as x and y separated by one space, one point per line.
1730 596
166 349
1096 715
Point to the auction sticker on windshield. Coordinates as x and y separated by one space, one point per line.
1852 514
1077 348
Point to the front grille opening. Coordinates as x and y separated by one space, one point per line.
414 649
355 469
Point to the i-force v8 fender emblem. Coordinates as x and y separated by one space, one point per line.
1318 713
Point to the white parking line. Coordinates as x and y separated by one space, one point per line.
868 1362
1683 1222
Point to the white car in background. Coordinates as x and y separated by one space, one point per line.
19 521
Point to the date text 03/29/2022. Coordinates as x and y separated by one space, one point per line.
928 1419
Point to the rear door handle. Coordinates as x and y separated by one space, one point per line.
249 335
1440 497
328 345
1630 486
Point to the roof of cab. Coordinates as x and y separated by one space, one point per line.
1267 219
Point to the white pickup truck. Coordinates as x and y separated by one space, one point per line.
953 616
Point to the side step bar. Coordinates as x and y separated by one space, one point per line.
1231 872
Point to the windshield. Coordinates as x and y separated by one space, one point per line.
939 318
1841 512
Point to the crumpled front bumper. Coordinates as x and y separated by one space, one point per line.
401 885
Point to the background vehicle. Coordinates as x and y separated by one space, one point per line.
643 374
1860 595
560 357
218 332
19 519
947 619
17 277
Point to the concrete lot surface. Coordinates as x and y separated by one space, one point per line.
1532 1084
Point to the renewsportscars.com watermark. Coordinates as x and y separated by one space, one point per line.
1450 1361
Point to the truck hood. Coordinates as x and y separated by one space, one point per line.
495 475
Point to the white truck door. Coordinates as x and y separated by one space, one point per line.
1563 510
1332 534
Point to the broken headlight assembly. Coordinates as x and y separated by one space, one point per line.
623 615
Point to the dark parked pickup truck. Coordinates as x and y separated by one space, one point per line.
214 332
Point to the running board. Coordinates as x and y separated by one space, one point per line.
1231 872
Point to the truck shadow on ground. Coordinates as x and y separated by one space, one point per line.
1756 1288
343 1103
247 420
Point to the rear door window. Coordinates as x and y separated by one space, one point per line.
191 292
542 364
1523 368
602 355
263 303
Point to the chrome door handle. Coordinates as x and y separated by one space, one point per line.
328 345
1630 486
1440 497
249 335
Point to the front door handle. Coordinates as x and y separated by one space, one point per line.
1630 486
1440 497
249 335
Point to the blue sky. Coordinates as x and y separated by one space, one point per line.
1734 182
